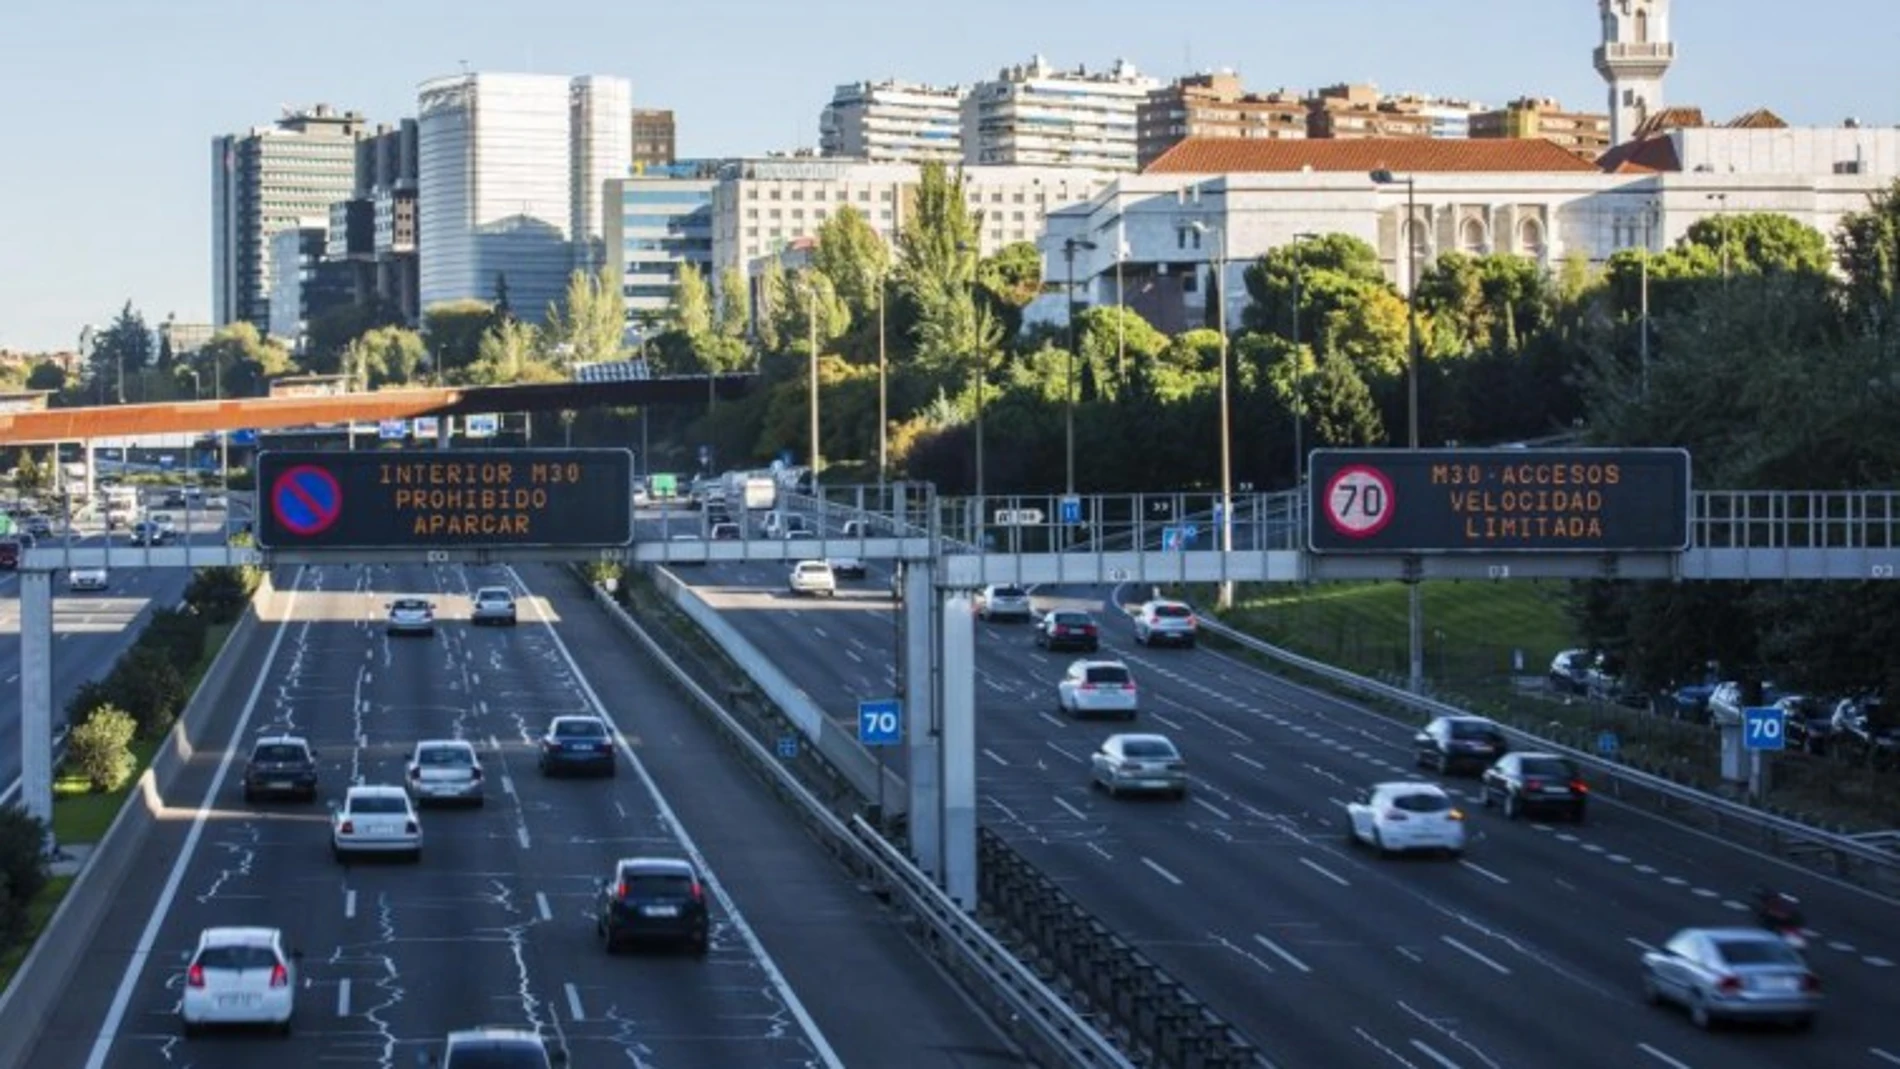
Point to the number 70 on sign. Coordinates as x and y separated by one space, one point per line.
881 722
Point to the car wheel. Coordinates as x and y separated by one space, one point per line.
283 1028
1352 834
1699 1012
1378 843
613 770
190 1030
1484 796
337 853
608 943
1180 794
1421 759
1803 1023
701 944
1652 994
415 856
1511 806
1188 644
249 795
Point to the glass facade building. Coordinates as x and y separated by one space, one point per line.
658 223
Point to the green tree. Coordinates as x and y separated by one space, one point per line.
30 476
100 749
937 272
810 292
165 356
331 331
511 352
771 297
46 375
121 351
452 331
853 256
240 361
692 310
1762 241
590 324
500 305
1339 406
1868 242
734 310
1012 277
386 356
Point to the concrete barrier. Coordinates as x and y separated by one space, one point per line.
42 980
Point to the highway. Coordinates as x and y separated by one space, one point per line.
1526 953
493 925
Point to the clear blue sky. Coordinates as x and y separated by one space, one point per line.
105 188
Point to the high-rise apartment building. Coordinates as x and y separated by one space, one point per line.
1358 111
893 122
304 284
512 171
375 230
266 180
655 138
660 221
1213 105
1033 115
1585 134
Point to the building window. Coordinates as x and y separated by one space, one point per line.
752 231
751 213
884 214
798 194
777 193
864 196
1471 237
884 195
1530 239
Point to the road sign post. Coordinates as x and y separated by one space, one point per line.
1764 730
880 726
1071 509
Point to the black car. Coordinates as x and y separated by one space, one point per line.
1453 744
1068 629
1525 783
281 766
652 898
577 744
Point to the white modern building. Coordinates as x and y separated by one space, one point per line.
267 180
1033 115
660 221
511 173
760 207
894 122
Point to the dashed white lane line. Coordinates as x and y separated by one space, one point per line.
1638 944
996 757
1282 953
853 654
1078 814
1890 1059
1326 872
1162 872
507 784
1661 1057
1424 1048
1739 907
1703 892
1245 760
1482 871
1878 963
521 835
1210 807
1052 719
541 906
1502 970
1842 946
349 905
343 997
574 1011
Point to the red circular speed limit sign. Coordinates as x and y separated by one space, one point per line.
1359 501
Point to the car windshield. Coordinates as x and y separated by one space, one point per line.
237 957
1547 766
1756 952
378 803
1108 673
446 756
278 751
1472 729
1173 612
580 729
1421 802
1147 748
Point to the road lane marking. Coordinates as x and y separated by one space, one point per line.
1638 944
1890 1059
349 905
1210 807
541 906
1661 1057
1878 963
1482 871
574 1011
1324 871
1163 873
1245 760
1424 1048
1282 952
1475 955
1053 720
115 1013
521 834
1079 815
507 784
1061 751
996 757
1106 856
1171 723
343 997
853 654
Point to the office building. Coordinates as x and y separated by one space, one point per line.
512 169
893 122
660 221
1341 112
655 138
1213 105
1633 57
304 284
264 181
1586 135
1449 118
374 232
1033 115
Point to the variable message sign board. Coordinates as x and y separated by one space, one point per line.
445 499
1499 500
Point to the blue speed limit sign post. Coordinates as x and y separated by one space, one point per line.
881 722
1764 728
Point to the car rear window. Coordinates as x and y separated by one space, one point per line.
377 803
1147 748
1472 729
1010 592
511 1056
1173 612
1757 952
658 883
581 729
411 606
494 595
446 756
278 752
1421 802
1108 674
1549 766
237 957
1071 619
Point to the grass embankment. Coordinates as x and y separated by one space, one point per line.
81 816
1487 647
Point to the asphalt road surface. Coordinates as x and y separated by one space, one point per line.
492 925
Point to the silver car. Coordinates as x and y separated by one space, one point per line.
1004 603
1098 688
1732 974
493 605
410 616
445 770
1139 763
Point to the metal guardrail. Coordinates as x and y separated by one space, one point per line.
1034 1007
1844 856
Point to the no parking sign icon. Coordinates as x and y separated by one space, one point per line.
306 500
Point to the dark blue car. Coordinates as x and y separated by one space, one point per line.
577 744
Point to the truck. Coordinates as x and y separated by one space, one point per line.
759 493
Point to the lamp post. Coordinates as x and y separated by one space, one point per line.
1069 247
1415 615
976 351
883 389
1226 597
811 328
1299 365
1642 314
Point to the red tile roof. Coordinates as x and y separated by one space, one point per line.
1686 118
1759 119
1402 155
1645 155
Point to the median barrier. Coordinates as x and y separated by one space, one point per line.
40 984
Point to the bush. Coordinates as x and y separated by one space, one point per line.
150 688
220 594
177 634
100 749
23 871
91 694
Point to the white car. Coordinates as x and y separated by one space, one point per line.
493 605
814 577
1404 816
375 819
1139 763
488 1047
1004 603
1098 688
86 579
1166 623
445 770
411 616
239 976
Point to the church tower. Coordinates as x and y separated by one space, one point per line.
1635 54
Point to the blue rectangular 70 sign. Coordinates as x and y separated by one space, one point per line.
881 722
1765 728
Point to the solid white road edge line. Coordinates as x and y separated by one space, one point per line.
772 974
115 1015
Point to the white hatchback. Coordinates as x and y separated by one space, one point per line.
239 976
445 770
1098 688
376 819
93 579
814 577
1406 815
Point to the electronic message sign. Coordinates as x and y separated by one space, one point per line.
444 499
1499 500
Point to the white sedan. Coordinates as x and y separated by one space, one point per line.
813 577
1406 815
239 976
410 616
93 579
375 819
445 770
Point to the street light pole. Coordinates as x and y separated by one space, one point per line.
1069 246
1225 599
1415 603
883 392
811 325
1299 366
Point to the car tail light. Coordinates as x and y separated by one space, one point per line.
1729 985
1533 784
409 826
195 976
623 890
699 892
1192 622
1086 686
348 828
1128 686
279 976
1394 814
1810 983
1577 786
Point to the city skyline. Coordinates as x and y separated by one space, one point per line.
127 215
